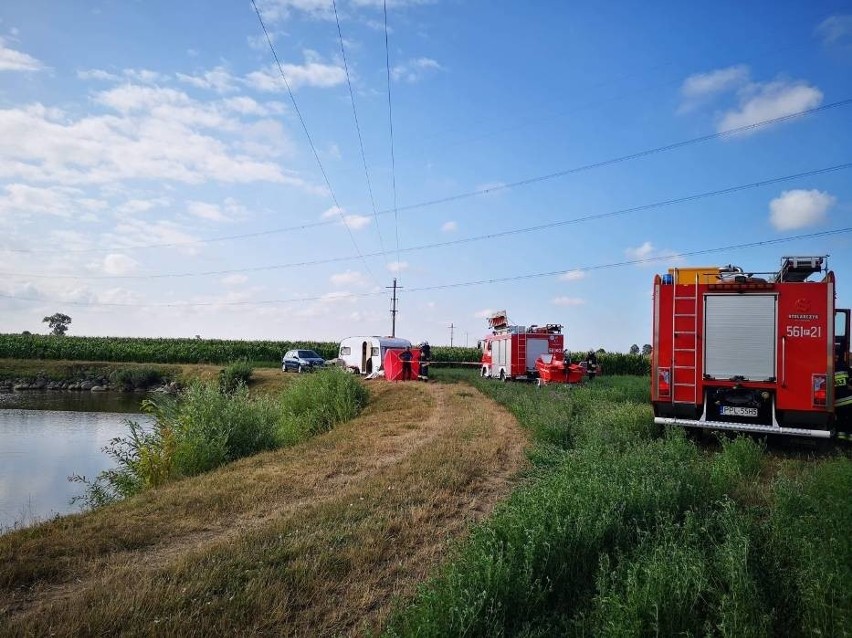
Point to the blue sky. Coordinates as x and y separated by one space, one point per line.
155 179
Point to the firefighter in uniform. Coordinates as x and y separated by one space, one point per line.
843 402
591 364
425 358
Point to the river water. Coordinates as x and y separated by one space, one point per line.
47 436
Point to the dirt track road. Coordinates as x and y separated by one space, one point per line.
318 539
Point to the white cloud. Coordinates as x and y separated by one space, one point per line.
97 74
357 222
568 301
11 60
449 227
247 106
118 264
391 4
835 29
276 10
135 206
313 73
641 252
799 208
702 86
129 98
234 280
158 134
647 252
133 232
348 278
770 100
354 222
230 210
413 70
145 76
483 314
21 199
218 79
338 296
573 275
397 266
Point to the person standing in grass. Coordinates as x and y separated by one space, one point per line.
405 357
425 358
591 364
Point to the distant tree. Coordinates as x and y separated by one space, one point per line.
601 351
646 349
58 323
634 349
26 333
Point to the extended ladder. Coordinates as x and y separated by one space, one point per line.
685 343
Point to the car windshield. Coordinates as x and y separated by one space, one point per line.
308 354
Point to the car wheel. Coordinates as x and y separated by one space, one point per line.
300 369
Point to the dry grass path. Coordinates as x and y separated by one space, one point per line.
318 539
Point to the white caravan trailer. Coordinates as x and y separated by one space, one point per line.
367 354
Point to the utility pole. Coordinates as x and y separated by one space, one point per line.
393 306
451 334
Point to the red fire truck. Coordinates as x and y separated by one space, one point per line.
510 352
766 353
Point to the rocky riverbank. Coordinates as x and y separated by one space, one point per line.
102 384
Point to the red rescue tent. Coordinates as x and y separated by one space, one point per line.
393 364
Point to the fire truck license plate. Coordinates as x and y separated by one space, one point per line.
730 410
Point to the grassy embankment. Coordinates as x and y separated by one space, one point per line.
211 424
319 538
629 531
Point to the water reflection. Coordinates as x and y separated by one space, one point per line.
40 448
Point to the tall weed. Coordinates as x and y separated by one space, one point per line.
235 374
205 428
810 551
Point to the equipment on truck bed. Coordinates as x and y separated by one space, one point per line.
766 353
525 353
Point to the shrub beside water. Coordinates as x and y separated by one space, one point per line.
140 378
205 428
235 374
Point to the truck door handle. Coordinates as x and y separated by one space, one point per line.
783 361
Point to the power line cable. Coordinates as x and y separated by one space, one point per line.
358 127
337 206
480 282
483 191
626 158
390 123
456 242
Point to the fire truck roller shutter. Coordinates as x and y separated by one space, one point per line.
740 336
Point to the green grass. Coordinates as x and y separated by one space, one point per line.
624 530
209 426
235 374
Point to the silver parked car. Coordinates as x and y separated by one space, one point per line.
301 361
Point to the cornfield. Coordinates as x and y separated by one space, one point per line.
218 351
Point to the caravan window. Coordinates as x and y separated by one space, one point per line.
345 350
375 352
